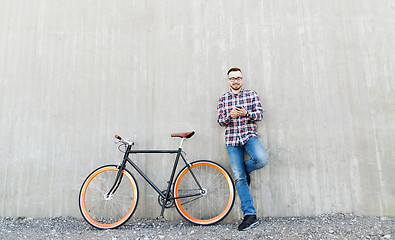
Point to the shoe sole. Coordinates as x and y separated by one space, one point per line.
251 226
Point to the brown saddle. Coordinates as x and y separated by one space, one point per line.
183 135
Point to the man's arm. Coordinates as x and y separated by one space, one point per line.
257 111
223 118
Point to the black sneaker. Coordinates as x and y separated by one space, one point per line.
249 222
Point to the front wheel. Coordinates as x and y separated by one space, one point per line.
204 193
104 209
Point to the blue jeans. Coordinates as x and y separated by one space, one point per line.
240 169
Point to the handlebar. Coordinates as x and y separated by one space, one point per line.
122 140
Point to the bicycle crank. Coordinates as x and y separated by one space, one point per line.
161 200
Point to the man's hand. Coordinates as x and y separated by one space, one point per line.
238 112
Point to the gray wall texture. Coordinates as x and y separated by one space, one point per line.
74 73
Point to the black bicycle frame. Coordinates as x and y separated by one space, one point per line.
146 178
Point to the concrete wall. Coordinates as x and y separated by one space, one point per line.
74 73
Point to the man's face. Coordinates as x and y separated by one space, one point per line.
235 80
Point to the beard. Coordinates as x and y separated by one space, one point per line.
237 88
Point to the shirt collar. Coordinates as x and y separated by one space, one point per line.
233 95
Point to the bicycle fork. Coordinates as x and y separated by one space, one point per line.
118 179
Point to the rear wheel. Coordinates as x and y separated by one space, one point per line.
103 210
213 201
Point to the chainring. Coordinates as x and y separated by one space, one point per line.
162 200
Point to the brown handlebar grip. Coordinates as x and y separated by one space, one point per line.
118 137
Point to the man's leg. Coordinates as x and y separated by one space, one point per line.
236 158
257 153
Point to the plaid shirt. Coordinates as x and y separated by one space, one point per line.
239 130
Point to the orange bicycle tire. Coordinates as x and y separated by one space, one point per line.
100 181
211 207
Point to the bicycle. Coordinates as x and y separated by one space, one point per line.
202 192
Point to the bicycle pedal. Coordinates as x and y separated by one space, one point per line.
161 218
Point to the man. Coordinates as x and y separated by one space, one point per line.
238 110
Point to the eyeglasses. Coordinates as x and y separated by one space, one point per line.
238 79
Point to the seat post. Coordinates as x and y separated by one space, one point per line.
182 141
